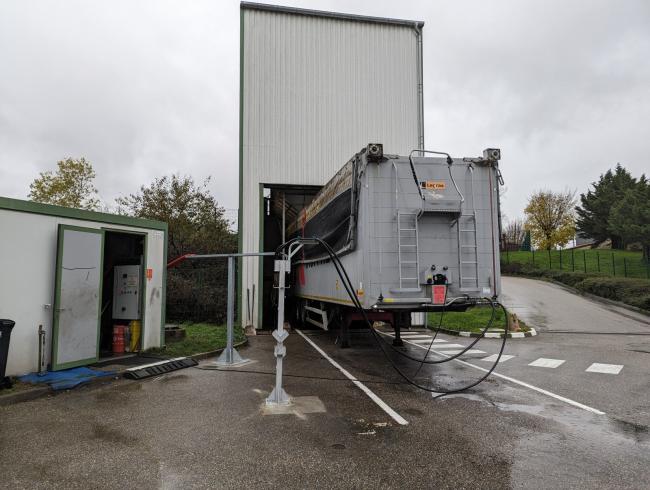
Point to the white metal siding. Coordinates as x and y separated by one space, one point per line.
27 269
315 91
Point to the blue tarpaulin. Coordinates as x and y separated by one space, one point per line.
66 379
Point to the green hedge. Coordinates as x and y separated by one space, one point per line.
632 291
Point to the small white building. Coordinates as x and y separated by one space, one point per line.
77 273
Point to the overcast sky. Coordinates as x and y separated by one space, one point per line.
148 88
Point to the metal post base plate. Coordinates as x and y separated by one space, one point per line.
230 358
278 399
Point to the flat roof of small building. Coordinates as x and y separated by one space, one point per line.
80 214
331 15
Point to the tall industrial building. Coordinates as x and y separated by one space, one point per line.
315 87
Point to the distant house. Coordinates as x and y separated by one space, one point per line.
584 242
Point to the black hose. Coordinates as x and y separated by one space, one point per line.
347 283
424 360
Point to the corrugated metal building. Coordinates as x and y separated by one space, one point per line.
315 87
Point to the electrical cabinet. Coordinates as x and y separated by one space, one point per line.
126 292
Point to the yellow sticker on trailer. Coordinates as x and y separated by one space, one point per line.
435 185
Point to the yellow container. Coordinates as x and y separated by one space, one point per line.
135 327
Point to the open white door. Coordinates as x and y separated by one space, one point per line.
77 299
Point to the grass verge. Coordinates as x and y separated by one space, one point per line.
200 337
473 320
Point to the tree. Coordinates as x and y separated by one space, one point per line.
550 218
196 224
593 216
630 216
71 185
513 234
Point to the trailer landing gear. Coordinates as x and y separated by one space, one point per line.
400 319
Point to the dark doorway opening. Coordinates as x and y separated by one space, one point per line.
122 249
282 205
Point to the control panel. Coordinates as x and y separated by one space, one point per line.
126 292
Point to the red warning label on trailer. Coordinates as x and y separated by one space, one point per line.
439 292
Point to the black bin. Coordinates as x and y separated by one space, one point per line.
5 335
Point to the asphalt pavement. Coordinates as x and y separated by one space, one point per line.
581 332
525 427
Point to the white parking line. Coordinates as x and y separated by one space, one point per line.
521 383
547 363
604 368
493 358
381 403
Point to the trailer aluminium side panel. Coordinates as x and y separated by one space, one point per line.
414 233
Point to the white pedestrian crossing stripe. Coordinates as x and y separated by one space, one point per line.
547 363
604 368
427 341
457 351
449 346
493 358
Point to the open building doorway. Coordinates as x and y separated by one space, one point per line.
122 292
282 204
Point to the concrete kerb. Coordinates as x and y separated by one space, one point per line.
492 335
34 392
25 395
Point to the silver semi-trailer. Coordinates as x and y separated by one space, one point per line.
415 233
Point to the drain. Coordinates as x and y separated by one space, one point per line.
338 446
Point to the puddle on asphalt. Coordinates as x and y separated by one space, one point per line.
507 407
637 432
110 434
174 378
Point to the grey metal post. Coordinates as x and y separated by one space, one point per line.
278 396
230 356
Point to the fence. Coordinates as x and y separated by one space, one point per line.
611 263
198 292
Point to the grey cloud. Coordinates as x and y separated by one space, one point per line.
143 89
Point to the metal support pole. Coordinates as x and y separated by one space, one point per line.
230 356
278 396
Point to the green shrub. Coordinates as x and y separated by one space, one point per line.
634 292
570 278
642 302
521 269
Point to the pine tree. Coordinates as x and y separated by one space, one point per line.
593 216
630 216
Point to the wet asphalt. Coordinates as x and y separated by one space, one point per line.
200 428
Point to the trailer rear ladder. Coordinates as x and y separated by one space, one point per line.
407 251
468 244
